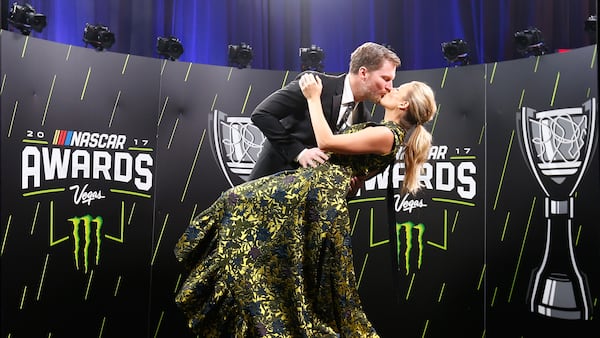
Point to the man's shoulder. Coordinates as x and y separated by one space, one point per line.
323 76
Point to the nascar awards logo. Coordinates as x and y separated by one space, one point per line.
84 155
88 166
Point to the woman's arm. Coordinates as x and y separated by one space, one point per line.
374 140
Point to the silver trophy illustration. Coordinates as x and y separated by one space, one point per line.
237 142
558 146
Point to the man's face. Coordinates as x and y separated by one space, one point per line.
378 82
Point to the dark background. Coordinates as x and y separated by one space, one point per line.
276 29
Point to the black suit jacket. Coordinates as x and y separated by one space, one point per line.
284 119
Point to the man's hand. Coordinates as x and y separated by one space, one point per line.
312 157
356 182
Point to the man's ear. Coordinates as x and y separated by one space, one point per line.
362 72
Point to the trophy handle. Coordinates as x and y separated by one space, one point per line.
522 138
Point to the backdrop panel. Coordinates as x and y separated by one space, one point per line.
78 133
518 220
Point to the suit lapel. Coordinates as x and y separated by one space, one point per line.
333 86
335 109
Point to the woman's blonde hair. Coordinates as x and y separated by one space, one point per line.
421 109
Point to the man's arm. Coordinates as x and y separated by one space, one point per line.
276 115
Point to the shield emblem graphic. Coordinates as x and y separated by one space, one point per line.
237 143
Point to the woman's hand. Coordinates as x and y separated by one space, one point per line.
311 85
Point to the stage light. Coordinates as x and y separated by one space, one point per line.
590 23
239 55
530 42
170 48
24 18
100 37
456 52
590 28
312 58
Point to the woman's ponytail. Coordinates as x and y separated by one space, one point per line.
416 153
422 107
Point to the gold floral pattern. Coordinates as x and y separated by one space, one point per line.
273 258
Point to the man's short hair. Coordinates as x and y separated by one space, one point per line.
371 55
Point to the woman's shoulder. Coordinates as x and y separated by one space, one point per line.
398 131
323 76
389 124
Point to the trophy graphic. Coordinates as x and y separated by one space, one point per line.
558 146
237 142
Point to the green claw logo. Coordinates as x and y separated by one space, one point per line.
408 238
87 221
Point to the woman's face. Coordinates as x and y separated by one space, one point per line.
395 97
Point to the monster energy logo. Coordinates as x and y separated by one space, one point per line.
86 221
408 239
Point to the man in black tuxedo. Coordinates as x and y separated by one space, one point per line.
283 116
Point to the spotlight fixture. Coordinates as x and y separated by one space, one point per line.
591 28
456 52
239 55
24 18
98 36
530 42
312 58
170 48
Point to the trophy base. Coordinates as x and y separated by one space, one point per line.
559 313
558 299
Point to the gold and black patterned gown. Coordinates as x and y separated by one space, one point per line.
272 257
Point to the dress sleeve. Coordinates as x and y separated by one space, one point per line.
399 134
